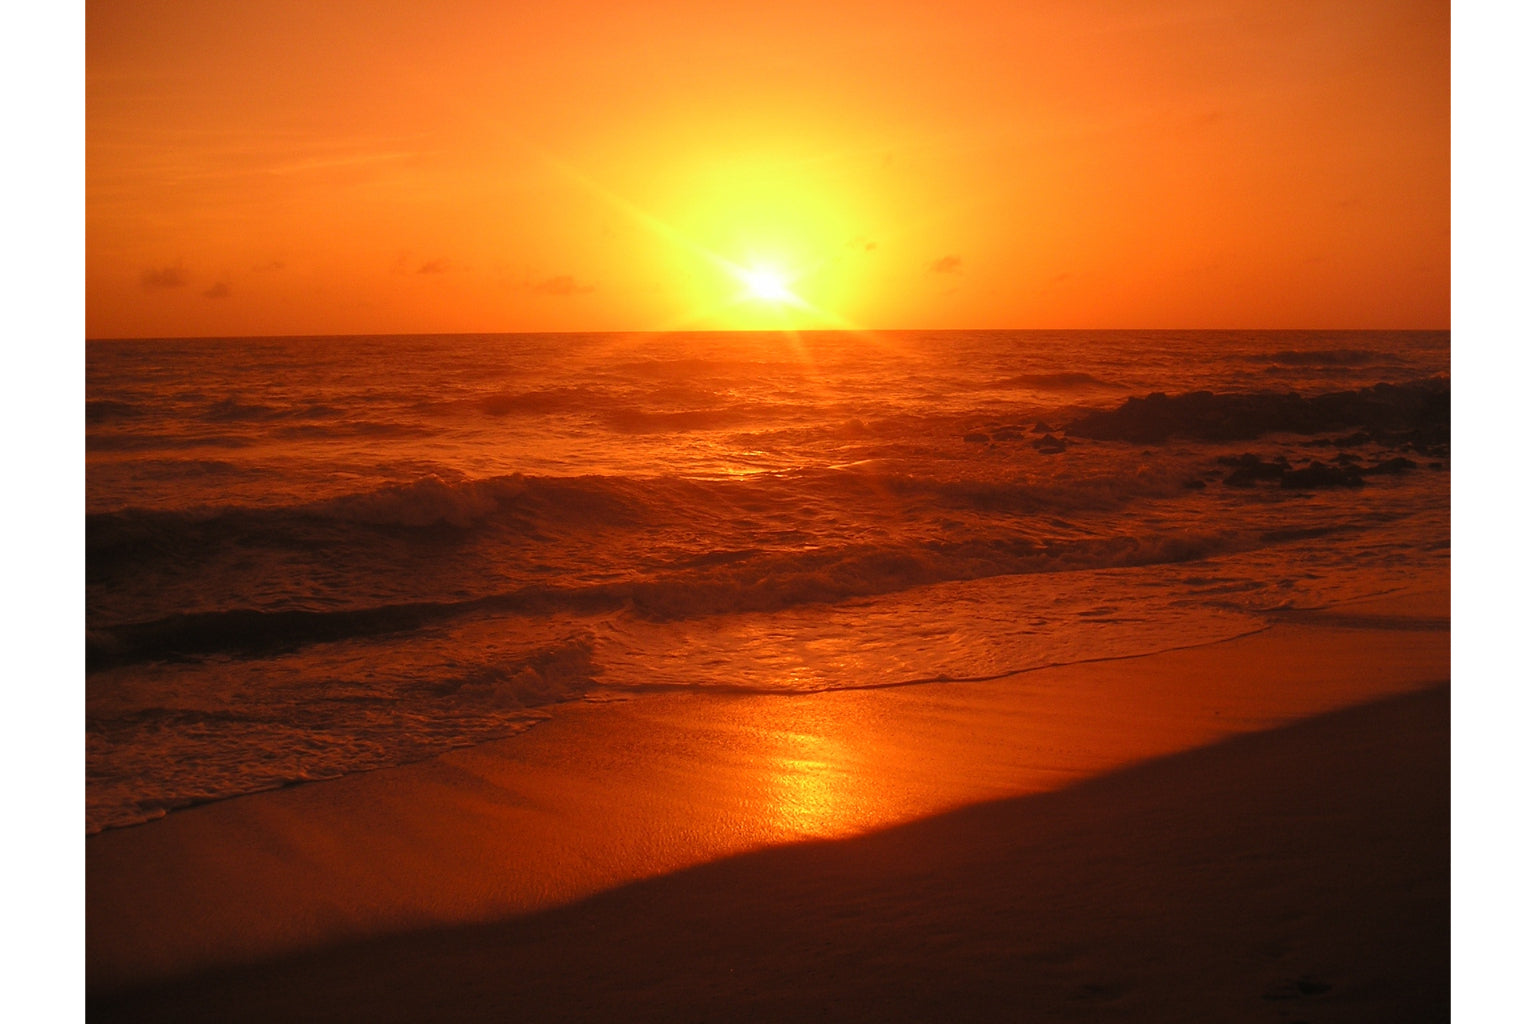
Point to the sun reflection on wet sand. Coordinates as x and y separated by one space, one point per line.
810 801
817 785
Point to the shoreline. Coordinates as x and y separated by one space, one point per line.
610 794
1400 618
1301 872
648 691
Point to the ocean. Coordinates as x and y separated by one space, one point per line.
309 557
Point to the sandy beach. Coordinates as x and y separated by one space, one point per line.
1195 834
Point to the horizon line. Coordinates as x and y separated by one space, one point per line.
774 330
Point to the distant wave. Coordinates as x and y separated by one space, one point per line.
1326 357
292 430
692 367
104 410
539 504
748 581
1056 381
431 504
538 402
641 421
232 410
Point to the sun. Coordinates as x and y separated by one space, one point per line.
768 285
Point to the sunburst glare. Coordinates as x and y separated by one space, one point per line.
766 284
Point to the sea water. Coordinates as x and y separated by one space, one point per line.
307 557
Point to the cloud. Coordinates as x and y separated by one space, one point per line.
562 284
407 262
945 265
163 277
218 291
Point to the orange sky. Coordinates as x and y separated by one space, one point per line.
275 167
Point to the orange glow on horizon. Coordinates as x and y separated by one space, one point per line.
384 168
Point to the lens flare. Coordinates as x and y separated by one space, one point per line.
767 285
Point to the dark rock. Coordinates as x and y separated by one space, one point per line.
1250 469
1417 413
1297 988
1391 467
1319 474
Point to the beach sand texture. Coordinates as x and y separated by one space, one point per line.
1034 847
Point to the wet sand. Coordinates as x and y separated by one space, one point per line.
1132 838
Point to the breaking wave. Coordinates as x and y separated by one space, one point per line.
727 583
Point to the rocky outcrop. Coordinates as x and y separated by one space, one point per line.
1416 415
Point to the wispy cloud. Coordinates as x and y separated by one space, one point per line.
208 163
219 291
945 265
163 277
304 165
562 284
433 267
